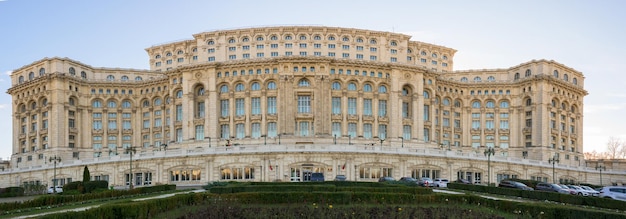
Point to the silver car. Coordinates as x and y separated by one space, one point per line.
613 192
425 181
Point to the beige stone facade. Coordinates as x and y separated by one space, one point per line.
280 103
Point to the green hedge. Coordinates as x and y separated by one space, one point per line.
11 192
356 202
544 195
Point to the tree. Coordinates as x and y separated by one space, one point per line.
615 148
86 175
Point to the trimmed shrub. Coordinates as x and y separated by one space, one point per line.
11 192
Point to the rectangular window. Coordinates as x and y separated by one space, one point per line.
382 108
352 129
304 128
382 131
406 132
241 131
367 107
232 57
260 55
331 46
302 45
200 110
288 45
274 46
255 106
359 56
336 126
224 108
274 54
331 54
256 130
336 105
199 132
271 105
373 58
271 130
351 106
240 107
406 111
367 130
359 48
211 58
373 49
259 46
304 104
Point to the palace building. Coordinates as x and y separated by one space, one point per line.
281 103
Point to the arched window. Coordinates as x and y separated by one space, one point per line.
168 54
158 56
245 39
179 93
44 102
359 40
463 79
516 77
33 105
72 71
446 102
575 81
239 87
477 79
405 91
409 51
345 39
476 104
529 102
563 106
274 37
146 103
382 89
434 55
553 103
179 52
336 86
271 85
72 102
255 86
491 78
21 79
200 91
124 78
288 37
426 95
224 89
457 103
42 71
83 74
231 40
111 104
304 83
331 38
565 77
302 37
373 41
259 38
367 88
96 104
528 73
31 76
556 74
158 101
126 104
110 78
211 42
317 37
490 104
573 109
394 43
504 104
351 86
138 78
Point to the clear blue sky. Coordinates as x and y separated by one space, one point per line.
585 35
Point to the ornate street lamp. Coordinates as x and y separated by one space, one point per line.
130 151
489 151
55 159
335 139
402 138
600 168
349 139
554 160
381 141
265 139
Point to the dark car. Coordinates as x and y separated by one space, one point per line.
464 181
386 179
317 177
408 180
549 187
340 178
514 185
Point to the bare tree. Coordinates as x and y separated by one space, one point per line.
615 148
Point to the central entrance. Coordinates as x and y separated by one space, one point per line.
303 173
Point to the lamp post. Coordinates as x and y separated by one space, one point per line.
130 151
554 160
600 168
209 141
349 139
55 159
265 139
489 151
381 142
402 138
335 139
278 139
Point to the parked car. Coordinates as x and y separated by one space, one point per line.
440 182
579 190
317 177
425 181
591 191
571 191
340 178
58 188
464 181
408 180
386 179
514 185
550 187
613 192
